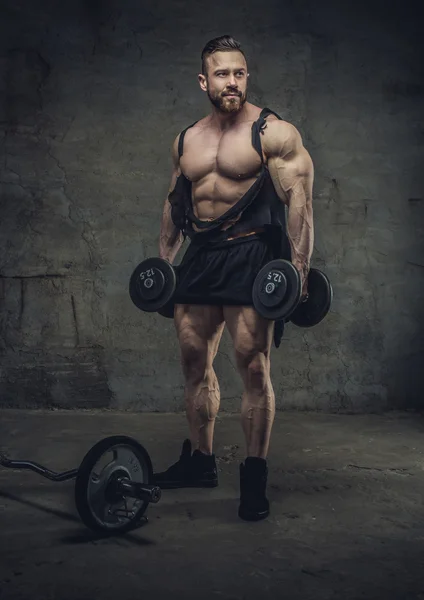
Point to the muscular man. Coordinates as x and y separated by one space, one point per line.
234 174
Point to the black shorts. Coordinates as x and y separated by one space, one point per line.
222 273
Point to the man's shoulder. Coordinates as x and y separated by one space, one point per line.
281 137
280 127
194 127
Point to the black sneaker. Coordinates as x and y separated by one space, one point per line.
254 504
191 470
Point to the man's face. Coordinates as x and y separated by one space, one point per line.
226 81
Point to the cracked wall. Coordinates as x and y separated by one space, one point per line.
92 96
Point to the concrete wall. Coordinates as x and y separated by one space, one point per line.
92 95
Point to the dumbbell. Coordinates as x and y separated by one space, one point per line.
277 293
152 286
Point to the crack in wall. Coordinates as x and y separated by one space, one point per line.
371 286
137 43
87 234
346 366
225 355
45 74
21 304
74 314
308 369
6 167
19 185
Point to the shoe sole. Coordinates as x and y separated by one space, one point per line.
252 516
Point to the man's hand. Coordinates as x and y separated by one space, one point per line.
292 174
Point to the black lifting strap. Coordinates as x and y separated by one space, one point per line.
258 128
181 140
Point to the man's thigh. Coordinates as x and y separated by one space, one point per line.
199 328
251 334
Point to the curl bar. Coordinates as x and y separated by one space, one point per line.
117 470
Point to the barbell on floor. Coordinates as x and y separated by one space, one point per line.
276 291
116 471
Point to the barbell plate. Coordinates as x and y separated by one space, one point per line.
152 284
285 278
111 458
315 308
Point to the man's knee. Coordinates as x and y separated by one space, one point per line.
255 368
194 358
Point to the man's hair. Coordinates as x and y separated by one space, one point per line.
224 43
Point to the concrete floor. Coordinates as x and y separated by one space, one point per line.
347 517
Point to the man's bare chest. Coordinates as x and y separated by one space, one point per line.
229 154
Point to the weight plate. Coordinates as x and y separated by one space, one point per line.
152 284
113 457
151 287
283 306
315 308
273 287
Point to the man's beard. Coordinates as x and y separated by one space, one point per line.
228 105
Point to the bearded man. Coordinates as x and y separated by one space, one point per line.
241 191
